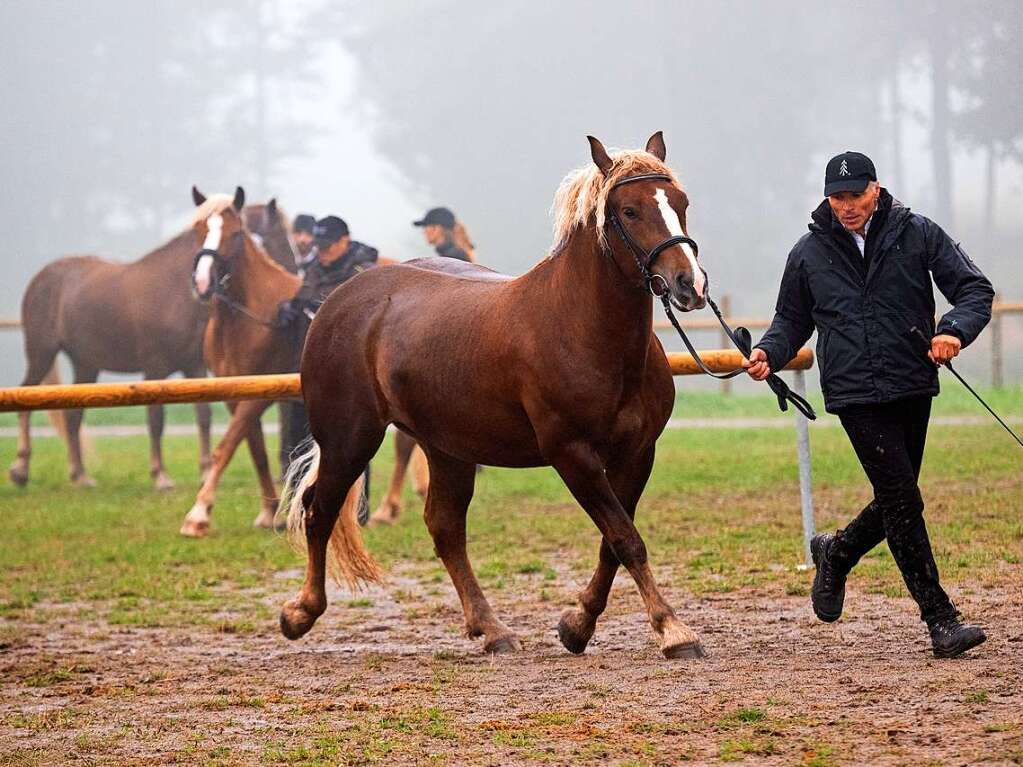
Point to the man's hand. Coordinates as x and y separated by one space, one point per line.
287 313
756 366
944 348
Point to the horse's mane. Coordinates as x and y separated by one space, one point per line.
215 203
583 192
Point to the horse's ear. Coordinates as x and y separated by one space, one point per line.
600 155
197 197
239 199
655 146
271 207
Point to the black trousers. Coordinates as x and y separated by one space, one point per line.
889 441
294 429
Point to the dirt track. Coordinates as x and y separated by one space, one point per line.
392 682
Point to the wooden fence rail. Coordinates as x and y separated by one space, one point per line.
273 387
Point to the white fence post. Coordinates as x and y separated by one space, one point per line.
805 479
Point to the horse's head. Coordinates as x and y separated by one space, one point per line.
645 227
268 226
219 227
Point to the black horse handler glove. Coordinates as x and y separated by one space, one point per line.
288 313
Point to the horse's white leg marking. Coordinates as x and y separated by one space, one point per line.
671 220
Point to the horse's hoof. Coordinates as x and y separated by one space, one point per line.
193 529
19 476
265 521
502 644
383 516
687 651
575 629
296 620
164 482
83 481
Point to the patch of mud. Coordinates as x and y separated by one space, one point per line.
386 677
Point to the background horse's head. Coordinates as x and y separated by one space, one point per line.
269 227
219 227
637 220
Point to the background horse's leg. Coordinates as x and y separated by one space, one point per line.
42 366
451 488
154 417
197 521
74 430
628 478
390 506
420 472
257 449
581 469
341 461
204 419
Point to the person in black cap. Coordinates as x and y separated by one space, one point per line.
446 234
302 234
338 258
862 279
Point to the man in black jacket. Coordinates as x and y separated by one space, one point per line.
862 279
338 258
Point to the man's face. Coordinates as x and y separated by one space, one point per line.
304 241
853 209
328 253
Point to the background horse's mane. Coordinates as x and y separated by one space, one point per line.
583 192
215 203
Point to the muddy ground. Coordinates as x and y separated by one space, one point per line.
386 678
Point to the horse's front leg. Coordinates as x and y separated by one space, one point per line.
583 472
197 521
628 478
257 449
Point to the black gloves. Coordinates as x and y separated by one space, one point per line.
287 313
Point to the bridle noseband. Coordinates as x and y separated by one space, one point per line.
741 337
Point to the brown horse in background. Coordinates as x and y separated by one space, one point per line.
243 287
126 318
559 367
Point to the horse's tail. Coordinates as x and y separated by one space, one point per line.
348 560
58 419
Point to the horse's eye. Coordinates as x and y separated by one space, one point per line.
629 212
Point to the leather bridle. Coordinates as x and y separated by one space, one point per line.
218 288
740 336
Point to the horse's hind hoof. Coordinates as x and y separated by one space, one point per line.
688 651
83 481
575 630
296 620
163 482
502 645
18 476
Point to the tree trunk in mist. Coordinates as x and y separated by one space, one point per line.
259 58
897 175
940 149
990 197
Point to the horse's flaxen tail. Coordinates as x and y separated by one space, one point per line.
348 560
57 417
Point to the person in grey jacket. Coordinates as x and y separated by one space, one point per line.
862 279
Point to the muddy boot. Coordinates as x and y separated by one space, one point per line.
951 638
828 592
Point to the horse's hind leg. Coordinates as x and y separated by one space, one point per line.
41 359
577 624
257 449
390 506
74 431
342 459
204 419
154 420
451 488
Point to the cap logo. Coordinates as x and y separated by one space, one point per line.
844 169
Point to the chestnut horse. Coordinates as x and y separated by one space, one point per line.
559 367
126 318
243 287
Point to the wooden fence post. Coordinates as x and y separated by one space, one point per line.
996 343
726 310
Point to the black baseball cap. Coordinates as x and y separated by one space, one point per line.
304 222
848 172
330 229
437 216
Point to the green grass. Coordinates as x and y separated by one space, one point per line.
721 512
